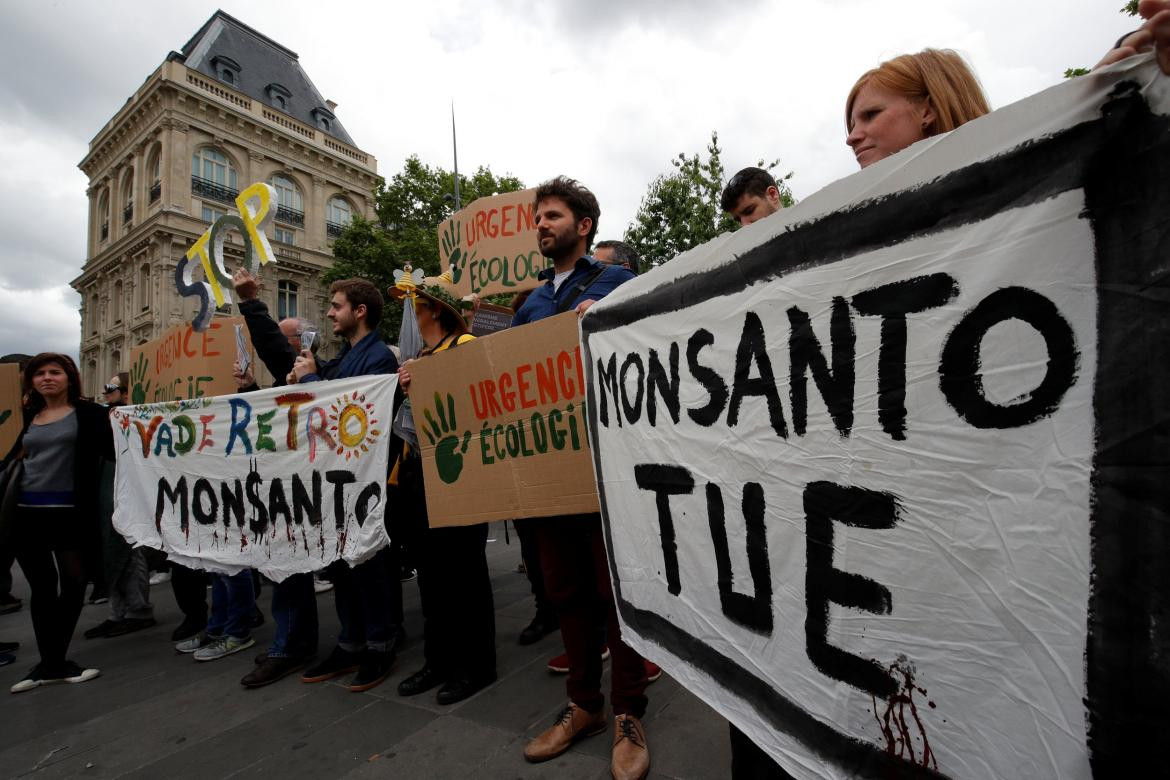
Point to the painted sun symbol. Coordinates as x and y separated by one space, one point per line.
353 424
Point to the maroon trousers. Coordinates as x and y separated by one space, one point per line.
576 578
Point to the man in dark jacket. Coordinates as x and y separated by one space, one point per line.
294 603
371 620
572 553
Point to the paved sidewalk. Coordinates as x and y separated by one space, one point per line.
154 713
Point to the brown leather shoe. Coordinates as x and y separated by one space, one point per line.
631 757
572 724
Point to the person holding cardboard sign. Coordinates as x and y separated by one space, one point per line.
572 551
459 645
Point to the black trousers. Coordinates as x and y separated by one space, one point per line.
190 589
459 630
530 553
50 544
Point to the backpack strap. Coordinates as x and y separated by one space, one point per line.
580 287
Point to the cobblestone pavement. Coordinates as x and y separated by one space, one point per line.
157 714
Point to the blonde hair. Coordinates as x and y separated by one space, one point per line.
939 76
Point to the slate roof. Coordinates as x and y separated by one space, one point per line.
262 63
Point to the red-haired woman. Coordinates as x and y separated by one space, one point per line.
62 443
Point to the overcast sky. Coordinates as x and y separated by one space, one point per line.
607 91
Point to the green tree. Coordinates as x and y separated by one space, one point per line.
680 210
409 208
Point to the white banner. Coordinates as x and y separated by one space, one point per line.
883 475
284 480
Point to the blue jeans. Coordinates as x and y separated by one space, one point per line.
233 600
294 609
363 595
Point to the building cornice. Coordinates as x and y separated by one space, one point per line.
119 133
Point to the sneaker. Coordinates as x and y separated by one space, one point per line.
270 670
9 603
72 673
102 629
130 625
187 629
571 725
159 577
34 679
338 663
653 671
322 586
7 658
560 664
375 668
69 673
225 645
191 644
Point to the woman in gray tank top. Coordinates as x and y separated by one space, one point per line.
62 444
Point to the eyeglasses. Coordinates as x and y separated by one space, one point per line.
112 388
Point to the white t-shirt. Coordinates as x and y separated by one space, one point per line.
562 276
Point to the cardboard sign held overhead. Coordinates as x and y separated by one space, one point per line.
187 363
490 246
501 422
10 416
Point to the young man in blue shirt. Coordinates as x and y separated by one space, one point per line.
367 642
572 552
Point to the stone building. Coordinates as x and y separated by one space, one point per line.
231 108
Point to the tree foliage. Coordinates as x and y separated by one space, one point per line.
680 210
409 208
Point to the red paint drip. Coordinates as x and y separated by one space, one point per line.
898 732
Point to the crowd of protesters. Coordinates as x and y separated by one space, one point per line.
59 520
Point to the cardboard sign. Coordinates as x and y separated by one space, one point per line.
284 480
187 363
10 407
489 319
501 423
883 476
490 246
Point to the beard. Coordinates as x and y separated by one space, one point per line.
563 244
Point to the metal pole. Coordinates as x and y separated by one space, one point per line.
455 154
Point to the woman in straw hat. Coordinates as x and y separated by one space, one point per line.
459 633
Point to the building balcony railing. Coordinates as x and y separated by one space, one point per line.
127 213
290 216
333 229
105 230
155 191
206 188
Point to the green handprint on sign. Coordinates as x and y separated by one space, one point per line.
448 453
139 389
457 259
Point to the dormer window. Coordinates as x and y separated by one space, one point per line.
226 69
324 118
278 96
